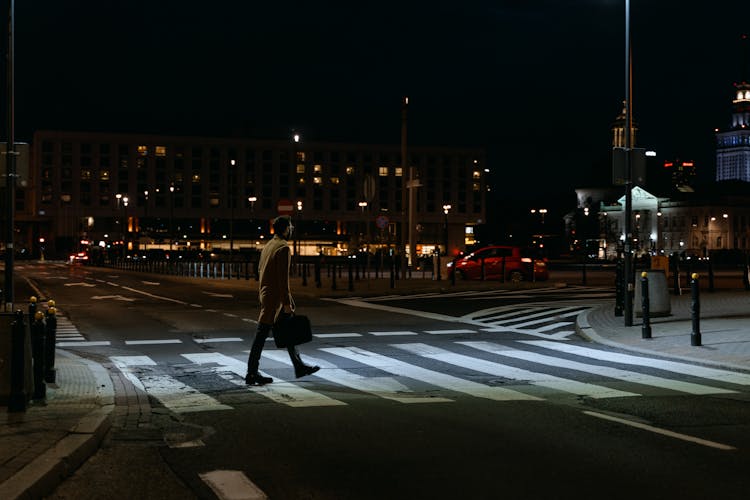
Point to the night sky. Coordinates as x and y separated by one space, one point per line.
537 84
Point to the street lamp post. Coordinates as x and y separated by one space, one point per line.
171 215
231 209
252 200
446 209
297 238
628 264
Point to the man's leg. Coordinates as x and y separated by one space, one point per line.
300 368
253 359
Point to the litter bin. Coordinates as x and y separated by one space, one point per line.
658 295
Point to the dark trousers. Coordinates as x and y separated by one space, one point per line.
261 334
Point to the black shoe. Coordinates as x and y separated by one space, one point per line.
305 370
257 379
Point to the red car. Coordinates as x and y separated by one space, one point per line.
510 263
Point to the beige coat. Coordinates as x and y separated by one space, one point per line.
273 286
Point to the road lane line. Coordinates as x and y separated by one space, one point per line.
218 339
232 485
84 344
336 335
513 373
149 342
616 373
448 332
279 391
391 334
399 368
383 387
661 364
664 432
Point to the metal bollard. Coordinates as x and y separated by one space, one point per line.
695 311
38 355
17 399
50 339
645 305
351 275
32 309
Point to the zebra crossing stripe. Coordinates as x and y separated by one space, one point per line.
392 334
172 393
279 391
335 335
628 376
628 359
399 368
499 370
94 343
448 332
384 387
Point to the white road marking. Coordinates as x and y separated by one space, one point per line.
664 432
87 285
221 295
232 485
336 335
152 283
509 372
448 332
112 297
172 393
218 339
628 359
627 376
391 334
278 391
83 344
150 342
383 387
399 368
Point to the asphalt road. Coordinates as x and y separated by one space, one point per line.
464 395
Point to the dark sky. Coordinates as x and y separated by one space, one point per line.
537 83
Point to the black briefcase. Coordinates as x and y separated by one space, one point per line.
291 330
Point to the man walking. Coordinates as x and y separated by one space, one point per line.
275 299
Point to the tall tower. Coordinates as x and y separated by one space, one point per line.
618 129
733 145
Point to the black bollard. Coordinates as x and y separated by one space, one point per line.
32 309
351 275
646 308
17 399
619 288
695 311
50 338
38 355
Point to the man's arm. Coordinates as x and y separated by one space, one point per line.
284 261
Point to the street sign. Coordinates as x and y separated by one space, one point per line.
381 221
285 207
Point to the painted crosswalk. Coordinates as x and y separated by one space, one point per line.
422 373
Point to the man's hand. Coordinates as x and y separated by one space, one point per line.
287 309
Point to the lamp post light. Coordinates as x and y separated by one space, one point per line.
297 239
628 264
252 200
125 202
446 209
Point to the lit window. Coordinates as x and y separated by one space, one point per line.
161 151
399 172
104 175
476 174
334 180
317 169
300 156
196 178
301 180
142 150
318 180
301 168
349 170
214 202
383 171
476 186
85 175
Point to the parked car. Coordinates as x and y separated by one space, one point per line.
510 263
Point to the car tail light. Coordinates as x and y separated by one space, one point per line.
526 260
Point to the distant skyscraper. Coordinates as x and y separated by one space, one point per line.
733 145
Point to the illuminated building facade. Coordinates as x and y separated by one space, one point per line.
150 191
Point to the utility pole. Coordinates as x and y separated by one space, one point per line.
10 179
404 167
628 267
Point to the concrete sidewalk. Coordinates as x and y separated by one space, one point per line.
48 442
724 327
39 448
